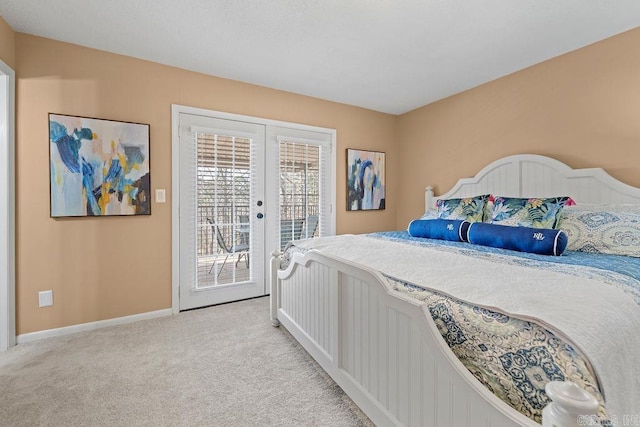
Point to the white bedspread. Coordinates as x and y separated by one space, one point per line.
599 318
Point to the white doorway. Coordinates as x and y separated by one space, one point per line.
7 207
242 188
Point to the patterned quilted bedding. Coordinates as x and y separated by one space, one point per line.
514 358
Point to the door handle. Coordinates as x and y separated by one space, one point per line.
260 216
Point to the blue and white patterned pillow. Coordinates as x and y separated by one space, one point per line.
605 229
469 208
528 212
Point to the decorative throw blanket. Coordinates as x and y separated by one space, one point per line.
513 358
529 305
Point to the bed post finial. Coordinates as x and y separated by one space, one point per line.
570 405
428 198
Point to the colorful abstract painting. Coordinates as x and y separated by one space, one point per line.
365 180
98 167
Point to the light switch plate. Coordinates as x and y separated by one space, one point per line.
45 298
160 195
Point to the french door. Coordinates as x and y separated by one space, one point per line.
221 210
245 189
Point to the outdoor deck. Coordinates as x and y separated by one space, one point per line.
229 274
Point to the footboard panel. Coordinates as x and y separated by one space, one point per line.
381 347
306 299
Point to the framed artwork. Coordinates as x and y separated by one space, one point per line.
365 180
98 167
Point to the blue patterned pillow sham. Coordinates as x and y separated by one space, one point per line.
470 208
531 212
605 229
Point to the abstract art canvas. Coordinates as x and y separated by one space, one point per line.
98 167
365 180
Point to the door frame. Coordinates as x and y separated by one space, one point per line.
7 208
176 109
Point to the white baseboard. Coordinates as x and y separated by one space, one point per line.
48 333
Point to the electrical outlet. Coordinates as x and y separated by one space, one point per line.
45 298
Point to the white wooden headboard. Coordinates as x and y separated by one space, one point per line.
532 175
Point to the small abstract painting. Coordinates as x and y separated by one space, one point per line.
98 167
365 180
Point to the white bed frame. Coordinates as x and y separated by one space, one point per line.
383 348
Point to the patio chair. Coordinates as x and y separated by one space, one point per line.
311 225
242 249
290 229
243 230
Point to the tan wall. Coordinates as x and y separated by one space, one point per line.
582 108
101 268
7 43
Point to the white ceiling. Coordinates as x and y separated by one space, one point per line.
385 55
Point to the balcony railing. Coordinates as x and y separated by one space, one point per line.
226 217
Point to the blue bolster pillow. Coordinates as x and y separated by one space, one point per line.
542 241
443 229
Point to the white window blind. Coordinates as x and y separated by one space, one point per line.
224 187
304 181
217 182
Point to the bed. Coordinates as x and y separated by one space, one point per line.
370 317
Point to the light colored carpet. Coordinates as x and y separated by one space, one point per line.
219 366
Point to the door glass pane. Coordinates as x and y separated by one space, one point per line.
223 200
299 191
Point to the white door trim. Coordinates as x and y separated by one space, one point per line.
175 178
7 208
